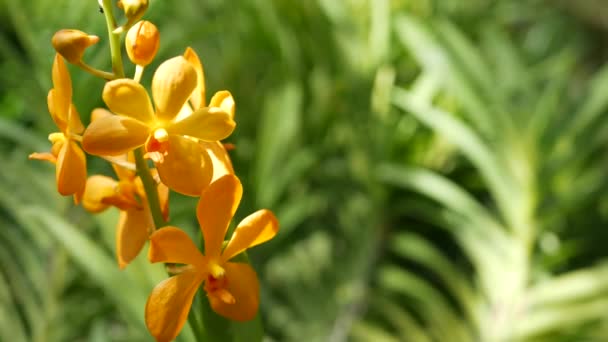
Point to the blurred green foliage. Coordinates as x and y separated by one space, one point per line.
437 166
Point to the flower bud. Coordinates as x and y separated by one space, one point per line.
134 9
71 44
142 42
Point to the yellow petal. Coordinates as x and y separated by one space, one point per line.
74 123
99 113
60 118
71 170
171 244
163 199
172 84
255 229
132 233
224 100
207 124
243 285
215 209
62 85
128 98
114 135
184 112
169 303
46 156
57 145
97 188
186 168
124 197
220 158
197 99
123 173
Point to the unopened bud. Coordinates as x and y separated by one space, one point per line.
71 44
134 9
142 42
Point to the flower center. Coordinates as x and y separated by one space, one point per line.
56 137
217 288
57 140
216 270
157 145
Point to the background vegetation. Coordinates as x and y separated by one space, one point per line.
438 168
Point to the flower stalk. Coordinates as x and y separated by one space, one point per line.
114 38
96 72
150 187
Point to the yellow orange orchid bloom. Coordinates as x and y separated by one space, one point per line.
222 99
232 287
68 157
170 140
135 222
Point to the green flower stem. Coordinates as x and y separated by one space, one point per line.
95 72
115 50
150 187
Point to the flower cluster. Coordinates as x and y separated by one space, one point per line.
179 133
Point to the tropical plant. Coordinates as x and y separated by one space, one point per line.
506 272
437 167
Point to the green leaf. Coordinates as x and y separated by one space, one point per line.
416 248
444 191
129 296
280 124
584 284
492 169
441 316
403 322
379 35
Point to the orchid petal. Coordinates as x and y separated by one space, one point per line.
74 123
215 209
185 112
56 148
171 244
186 168
123 173
128 98
197 99
219 157
172 84
114 135
207 124
255 229
99 113
71 170
243 285
163 200
62 86
224 100
97 188
132 233
124 197
46 156
59 117
169 303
